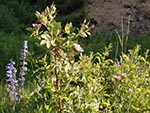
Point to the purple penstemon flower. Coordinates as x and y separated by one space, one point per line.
23 63
12 82
42 83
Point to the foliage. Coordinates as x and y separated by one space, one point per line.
98 40
61 78
8 21
133 85
16 15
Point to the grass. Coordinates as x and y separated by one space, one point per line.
98 41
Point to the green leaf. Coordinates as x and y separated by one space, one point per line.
120 39
45 36
53 43
37 14
106 95
43 42
46 107
133 66
48 44
68 27
106 103
88 33
147 91
136 108
83 34
139 89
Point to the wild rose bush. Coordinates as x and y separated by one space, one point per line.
68 81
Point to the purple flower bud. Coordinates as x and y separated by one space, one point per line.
9 72
17 96
22 73
8 75
25 68
14 70
42 83
21 84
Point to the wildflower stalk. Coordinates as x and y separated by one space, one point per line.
12 82
123 39
128 31
23 63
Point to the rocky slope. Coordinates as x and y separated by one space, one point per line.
118 14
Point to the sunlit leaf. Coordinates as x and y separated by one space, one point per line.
43 42
53 42
45 36
48 44
68 27
83 34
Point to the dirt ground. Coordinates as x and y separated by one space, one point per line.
118 14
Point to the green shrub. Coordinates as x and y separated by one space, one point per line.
8 21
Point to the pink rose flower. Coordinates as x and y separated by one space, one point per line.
117 77
78 48
92 26
37 25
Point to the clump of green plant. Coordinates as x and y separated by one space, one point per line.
8 21
131 86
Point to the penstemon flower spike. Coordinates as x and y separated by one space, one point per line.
23 63
12 82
